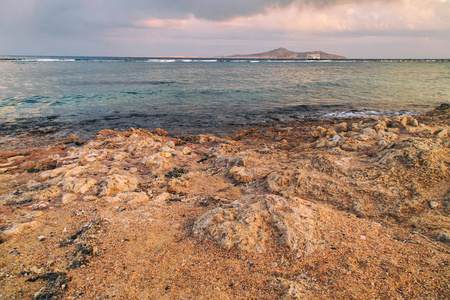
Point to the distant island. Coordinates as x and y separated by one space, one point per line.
285 53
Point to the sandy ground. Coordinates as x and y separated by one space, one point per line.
330 209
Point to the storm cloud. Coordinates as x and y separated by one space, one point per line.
96 26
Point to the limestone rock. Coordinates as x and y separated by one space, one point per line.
19 228
443 133
161 198
241 174
414 123
133 197
330 132
444 237
380 126
433 204
319 132
90 199
118 183
247 224
56 172
354 126
186 151
400 122
49 194
369 131
68 197
83 185
320 143
341 127
76 171
278 181
349 145
290 289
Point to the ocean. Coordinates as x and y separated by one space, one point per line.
192 96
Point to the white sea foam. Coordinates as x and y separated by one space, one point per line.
161 60
49 59
366 113
206 60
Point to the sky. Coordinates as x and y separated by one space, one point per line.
352 28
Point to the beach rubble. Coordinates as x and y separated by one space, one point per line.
353 208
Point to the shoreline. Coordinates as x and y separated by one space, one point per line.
309 209
48 128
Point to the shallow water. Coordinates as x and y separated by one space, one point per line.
189 96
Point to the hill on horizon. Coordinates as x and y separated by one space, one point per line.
285 53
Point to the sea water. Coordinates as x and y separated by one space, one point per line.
190 96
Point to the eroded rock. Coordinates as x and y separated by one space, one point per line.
116 183
247 224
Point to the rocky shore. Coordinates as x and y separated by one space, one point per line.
353 209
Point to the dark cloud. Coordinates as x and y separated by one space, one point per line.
98 26
58 15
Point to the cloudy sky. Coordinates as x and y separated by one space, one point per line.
353 28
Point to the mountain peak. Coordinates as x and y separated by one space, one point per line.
285 53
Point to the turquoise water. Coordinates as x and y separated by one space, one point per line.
90 94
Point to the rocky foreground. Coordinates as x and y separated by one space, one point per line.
353 209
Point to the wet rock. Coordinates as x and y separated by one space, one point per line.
118 183
73 138
160 132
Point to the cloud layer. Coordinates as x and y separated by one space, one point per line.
151 27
